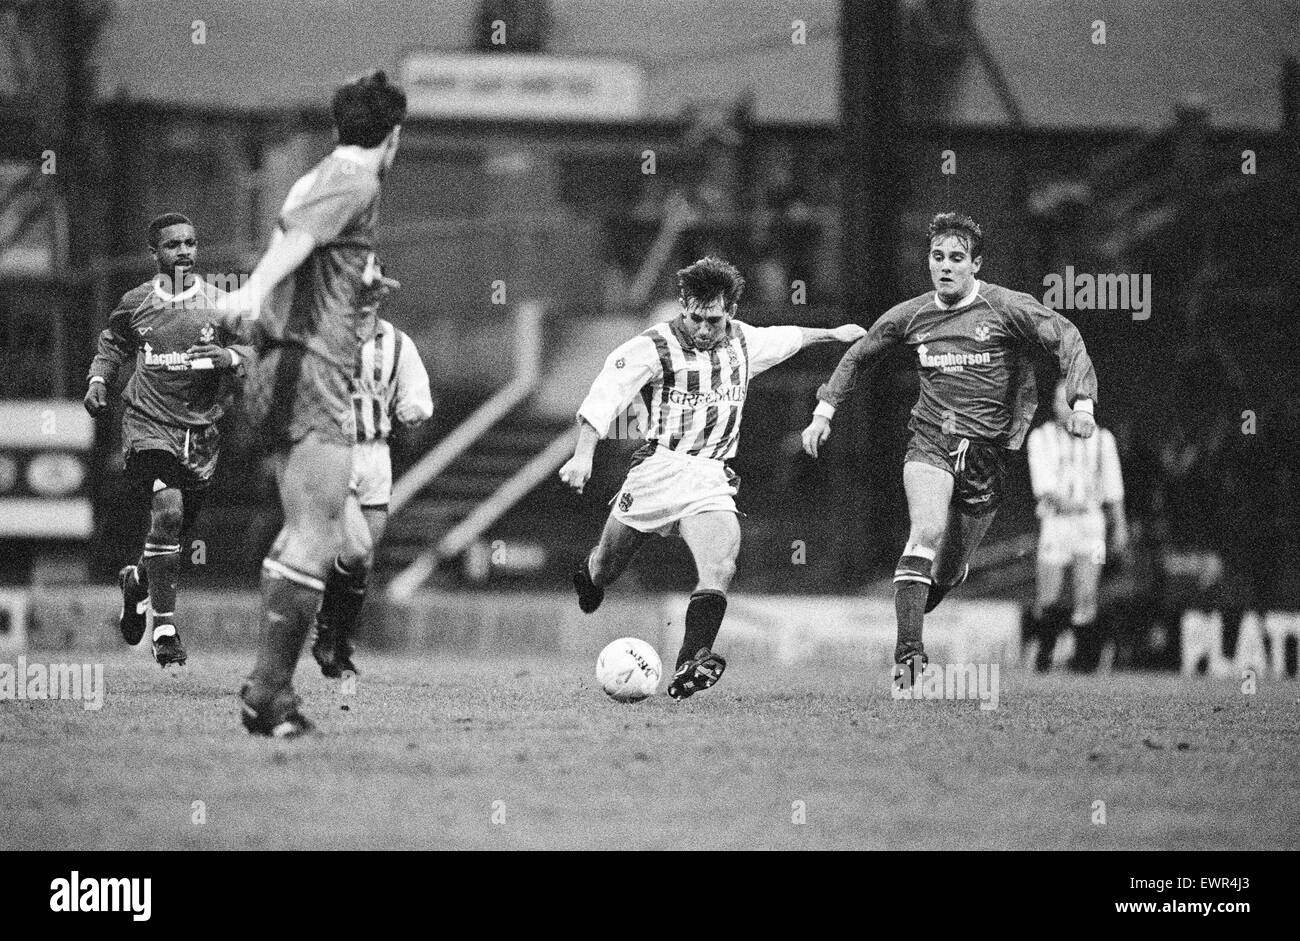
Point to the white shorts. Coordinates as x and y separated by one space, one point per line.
372 474
669 485
1065 539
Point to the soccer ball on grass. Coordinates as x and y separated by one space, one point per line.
628 670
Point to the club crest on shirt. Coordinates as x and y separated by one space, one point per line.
620 363
207 334
625 502
982 330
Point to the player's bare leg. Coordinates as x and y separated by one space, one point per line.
345 588
714 541
957 551
614 551
313 481
929 492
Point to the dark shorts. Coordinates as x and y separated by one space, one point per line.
978 467
179 457
293 392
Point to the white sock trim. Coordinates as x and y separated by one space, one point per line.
280 570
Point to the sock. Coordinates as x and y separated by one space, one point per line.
345 590
290 598
911 590
703 621
1087 647
1050 624
161 566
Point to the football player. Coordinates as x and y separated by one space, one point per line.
1080 494
389 383
172 327
973 341
691 374
317 270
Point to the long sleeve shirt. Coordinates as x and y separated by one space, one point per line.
973 359
689 400
154 329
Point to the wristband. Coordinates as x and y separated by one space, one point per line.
1083 405
824 410
95 379
234 358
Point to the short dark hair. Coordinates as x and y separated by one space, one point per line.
161 222
960 225
708 279
367 109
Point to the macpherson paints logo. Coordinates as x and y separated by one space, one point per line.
1130 292
951 362
72 681
949 681
76 894
173 362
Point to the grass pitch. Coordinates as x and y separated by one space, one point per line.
441 752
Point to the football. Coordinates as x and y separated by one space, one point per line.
628 670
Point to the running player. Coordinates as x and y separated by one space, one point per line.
320 264
691 374
973 341
172 327
1080 495
389 382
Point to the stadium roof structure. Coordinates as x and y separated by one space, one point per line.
264 54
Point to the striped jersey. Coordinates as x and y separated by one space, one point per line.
388 380
685 399
1081 472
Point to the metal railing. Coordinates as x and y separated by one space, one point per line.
528 356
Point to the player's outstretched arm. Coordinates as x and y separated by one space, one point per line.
858 359
287 251
845 333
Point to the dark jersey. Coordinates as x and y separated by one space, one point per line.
977 378
319 306
155 329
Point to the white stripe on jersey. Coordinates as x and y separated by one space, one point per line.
1082 471
696 407
374 384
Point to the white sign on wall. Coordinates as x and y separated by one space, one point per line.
517 86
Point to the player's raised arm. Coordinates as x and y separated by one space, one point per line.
115 347
287 251
1054 334
626 370
858 359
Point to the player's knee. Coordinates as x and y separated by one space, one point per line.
924 536
356 555
168 513
721 572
